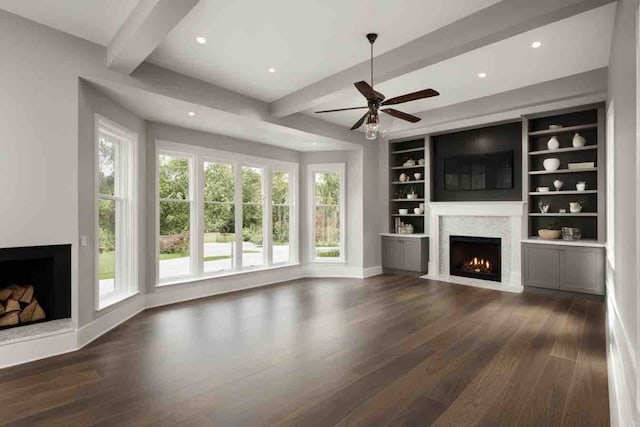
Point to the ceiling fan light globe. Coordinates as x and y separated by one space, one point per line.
371 131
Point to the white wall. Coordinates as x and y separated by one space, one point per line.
622 265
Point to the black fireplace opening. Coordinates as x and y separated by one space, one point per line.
35 284
475 257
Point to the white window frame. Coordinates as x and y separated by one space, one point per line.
127 221
312 170
200 218
199 155
292 189
192 214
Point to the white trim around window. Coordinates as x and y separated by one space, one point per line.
198 156
312 170
124 284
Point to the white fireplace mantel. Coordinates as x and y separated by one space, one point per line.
514 212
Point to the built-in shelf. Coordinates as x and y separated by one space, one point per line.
564 129
563 171
580 242
399 153
563 150
564 214
409 182
411 150
560 193
407 167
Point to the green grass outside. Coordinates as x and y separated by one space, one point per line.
106 261
329 254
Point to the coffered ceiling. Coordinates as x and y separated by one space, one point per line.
304 41
317 49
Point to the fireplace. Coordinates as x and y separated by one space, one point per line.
35 284
475 257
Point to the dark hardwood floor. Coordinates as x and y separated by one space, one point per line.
389 350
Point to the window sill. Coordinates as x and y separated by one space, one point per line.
186 280
115 298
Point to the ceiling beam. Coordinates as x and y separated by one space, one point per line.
144 29
492 24
509 105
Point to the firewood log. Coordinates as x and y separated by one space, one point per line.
26 315
28 294
9 319
11 305
38 313
16 292
5 293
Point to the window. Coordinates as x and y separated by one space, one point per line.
116 215
328 214
222 212
252 215
174 187
281 217
219 217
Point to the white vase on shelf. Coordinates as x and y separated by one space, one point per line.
551 164
578 140
553 143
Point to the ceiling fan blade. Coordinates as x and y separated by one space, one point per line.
421 94
367 91
401 115
359 122
341 109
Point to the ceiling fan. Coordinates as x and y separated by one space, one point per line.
375 100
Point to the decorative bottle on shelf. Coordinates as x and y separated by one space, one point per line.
553 143
578 140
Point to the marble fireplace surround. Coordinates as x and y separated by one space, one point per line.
505 220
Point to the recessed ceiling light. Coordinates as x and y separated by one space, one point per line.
536 45
201 40
314 143
191 113
482 75
272 70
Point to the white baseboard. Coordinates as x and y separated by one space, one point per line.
485 284
171 294
39 348
332 270
621 366
372 271
103 324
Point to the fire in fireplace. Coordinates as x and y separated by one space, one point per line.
35 284
476 265
475 257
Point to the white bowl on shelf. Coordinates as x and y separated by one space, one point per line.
403 211
551 164
543 189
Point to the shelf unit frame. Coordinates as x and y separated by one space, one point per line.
415 148
568 154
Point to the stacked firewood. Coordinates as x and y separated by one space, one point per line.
18 305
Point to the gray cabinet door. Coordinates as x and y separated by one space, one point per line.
542 266
392 253
582 270
411 255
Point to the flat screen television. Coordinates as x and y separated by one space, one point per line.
488 171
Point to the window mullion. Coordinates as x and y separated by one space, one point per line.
267 222
198 253
237 174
